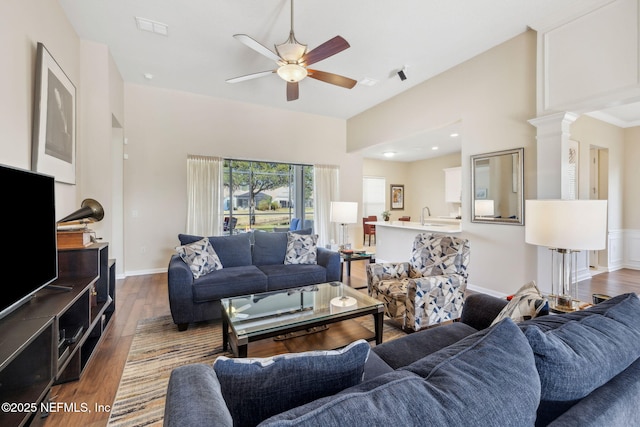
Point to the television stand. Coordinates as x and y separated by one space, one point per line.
60 287
51 338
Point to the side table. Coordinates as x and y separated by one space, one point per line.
576 306
355 256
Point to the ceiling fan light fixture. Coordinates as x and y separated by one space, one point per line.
292 72
291 50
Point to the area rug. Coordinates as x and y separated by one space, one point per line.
157 348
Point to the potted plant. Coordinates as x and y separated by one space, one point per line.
386 215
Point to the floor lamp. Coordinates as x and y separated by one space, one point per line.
344 213
566 227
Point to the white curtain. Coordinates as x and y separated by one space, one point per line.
204 195
325 190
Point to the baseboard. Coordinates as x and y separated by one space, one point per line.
482 290
145 272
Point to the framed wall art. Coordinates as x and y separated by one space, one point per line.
397 197
53 150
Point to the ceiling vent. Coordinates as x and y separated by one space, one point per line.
152 26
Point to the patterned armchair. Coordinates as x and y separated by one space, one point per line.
428 289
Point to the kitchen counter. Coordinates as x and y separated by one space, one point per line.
444 225
394 239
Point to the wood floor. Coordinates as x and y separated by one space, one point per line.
141 297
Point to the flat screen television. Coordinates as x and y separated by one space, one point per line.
29 254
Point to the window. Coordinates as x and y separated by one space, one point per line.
373 196
266 195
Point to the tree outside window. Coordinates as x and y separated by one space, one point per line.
265 195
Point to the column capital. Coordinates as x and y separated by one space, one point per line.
554 123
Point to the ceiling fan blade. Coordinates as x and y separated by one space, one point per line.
248 41
334 79
250 76
325 50
292 91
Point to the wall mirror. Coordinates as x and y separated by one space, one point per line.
497 195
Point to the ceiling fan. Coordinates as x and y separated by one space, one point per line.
292 59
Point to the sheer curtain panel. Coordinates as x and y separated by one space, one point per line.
325 190
204 195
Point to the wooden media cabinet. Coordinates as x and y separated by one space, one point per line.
51 339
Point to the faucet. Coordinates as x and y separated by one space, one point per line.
422 214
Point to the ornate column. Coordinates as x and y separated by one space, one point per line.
556 177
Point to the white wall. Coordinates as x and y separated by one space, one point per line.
102 100
591 61
99 95
22 25
164 126
494 96
631 214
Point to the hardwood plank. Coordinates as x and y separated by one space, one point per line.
139 297
337 335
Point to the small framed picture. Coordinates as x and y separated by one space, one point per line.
397 197
54 120
481 193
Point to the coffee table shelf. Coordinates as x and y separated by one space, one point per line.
255 317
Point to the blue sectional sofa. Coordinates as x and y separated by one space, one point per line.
252 263
575 369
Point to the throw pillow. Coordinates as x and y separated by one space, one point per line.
301 249
255 389
527 302
233 251
200 257
581 355
490 381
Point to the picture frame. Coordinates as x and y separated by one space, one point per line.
53 146
396 196
481 193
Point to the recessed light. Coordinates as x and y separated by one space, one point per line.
148 76
434 148
453 135
389 153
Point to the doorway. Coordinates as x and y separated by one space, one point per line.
598 190
116 245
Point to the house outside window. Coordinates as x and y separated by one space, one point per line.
266 195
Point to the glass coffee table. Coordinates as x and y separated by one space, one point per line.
258 316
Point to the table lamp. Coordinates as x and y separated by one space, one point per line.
566 227
484 208
344 213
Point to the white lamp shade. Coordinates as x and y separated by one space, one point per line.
292 72
566 224
484 208
344 212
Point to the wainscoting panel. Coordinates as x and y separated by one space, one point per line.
632 249
616 250
583 272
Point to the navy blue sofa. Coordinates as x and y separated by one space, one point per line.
574 369
252 263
